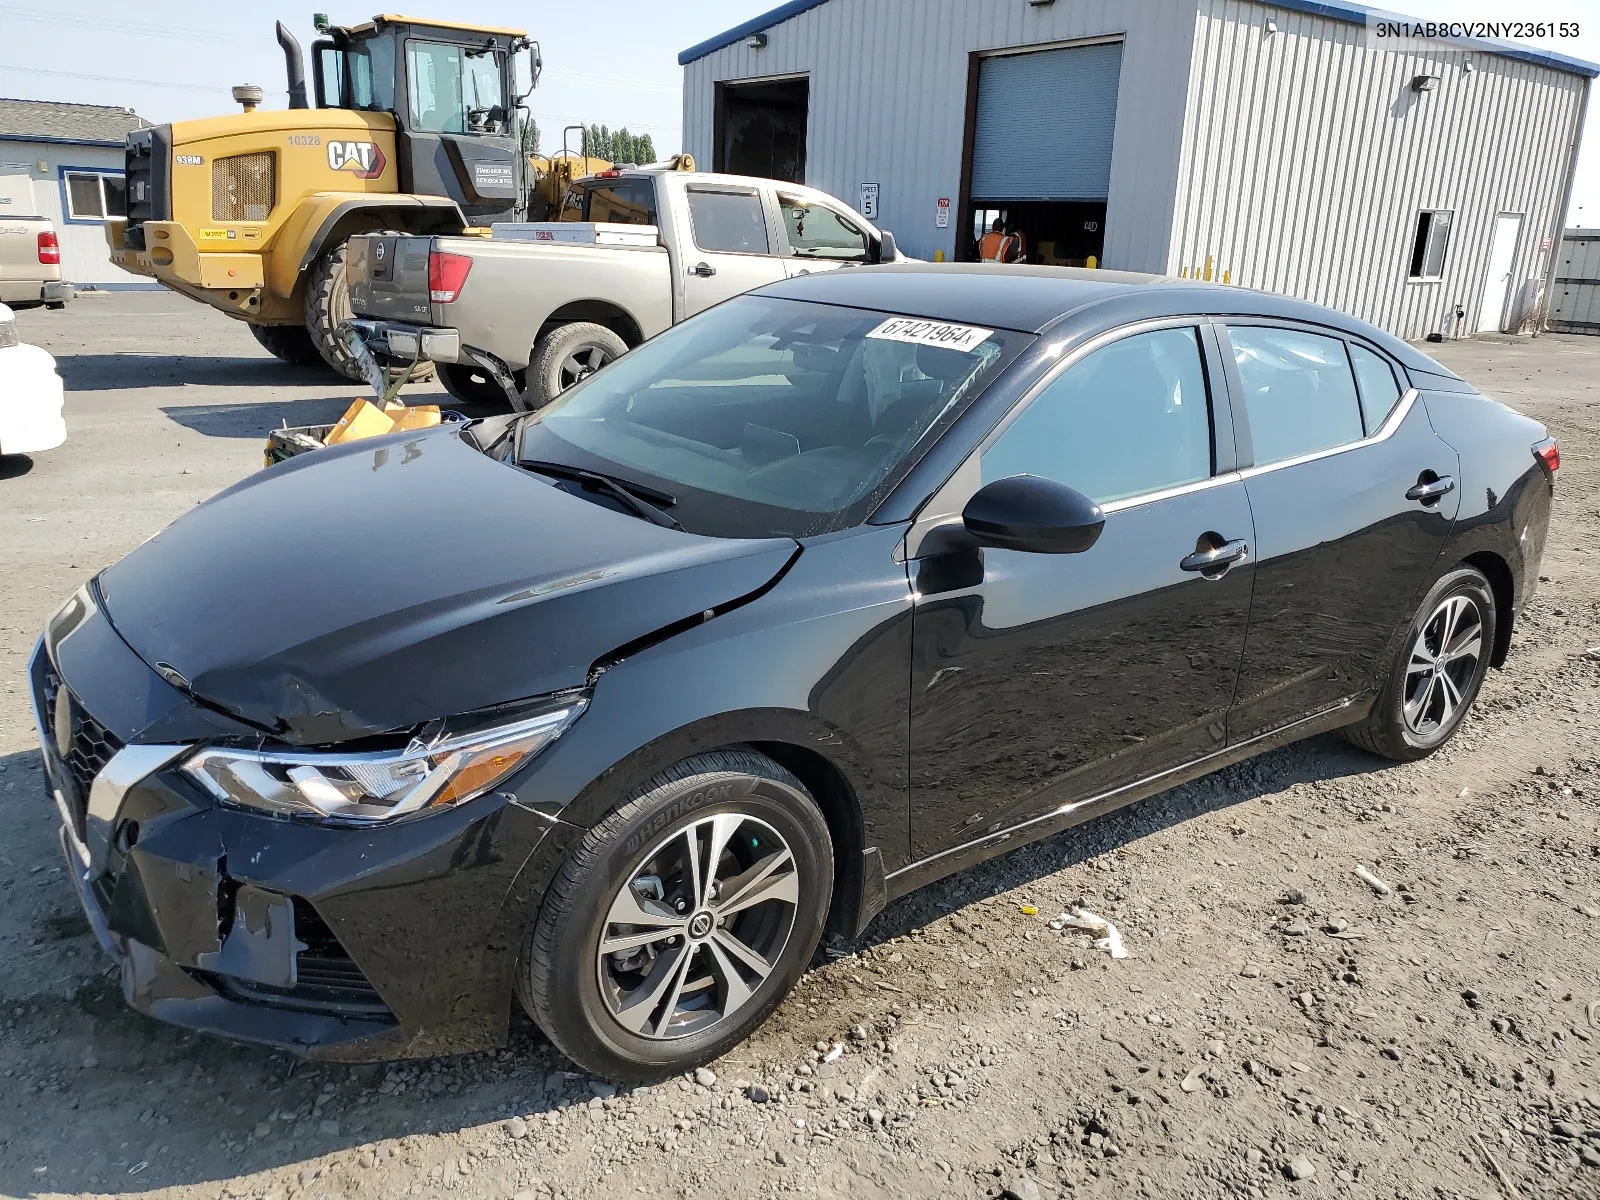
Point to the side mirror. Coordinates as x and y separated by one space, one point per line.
1030 513
887 250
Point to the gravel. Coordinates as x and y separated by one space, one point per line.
983 1053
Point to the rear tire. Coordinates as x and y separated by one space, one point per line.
288 343
472 385
752 904
327 307
567 354
1434 671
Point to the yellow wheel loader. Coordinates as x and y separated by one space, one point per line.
414 129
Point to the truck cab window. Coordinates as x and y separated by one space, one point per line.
816 231
453 89
371 76
622 202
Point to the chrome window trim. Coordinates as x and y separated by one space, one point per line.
1392 422
937 511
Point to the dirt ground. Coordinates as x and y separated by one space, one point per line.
1279 1029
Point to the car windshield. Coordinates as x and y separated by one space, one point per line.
767 417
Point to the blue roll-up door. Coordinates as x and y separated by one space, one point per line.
1044 124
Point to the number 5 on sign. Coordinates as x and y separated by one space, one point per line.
869 201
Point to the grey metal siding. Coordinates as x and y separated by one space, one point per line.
1575 290
1307 157
1045 124
888 103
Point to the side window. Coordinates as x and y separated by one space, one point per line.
92 196
816 231
1298 391
624 202
1379 390
372 75
728 222
1431 242
1131 417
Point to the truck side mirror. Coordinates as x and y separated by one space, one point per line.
887 250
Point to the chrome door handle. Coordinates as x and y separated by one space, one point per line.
1223 556
1431 490
704 270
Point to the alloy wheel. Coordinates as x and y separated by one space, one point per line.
691 936
1443 661
581 364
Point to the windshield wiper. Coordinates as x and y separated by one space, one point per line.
636 498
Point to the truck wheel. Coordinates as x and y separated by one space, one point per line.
328 307
565 355
290 343
472 385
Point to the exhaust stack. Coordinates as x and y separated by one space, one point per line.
296 67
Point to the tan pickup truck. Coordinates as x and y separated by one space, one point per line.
30 264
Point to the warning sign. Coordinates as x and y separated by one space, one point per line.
942 217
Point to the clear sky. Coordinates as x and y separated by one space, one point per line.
613 63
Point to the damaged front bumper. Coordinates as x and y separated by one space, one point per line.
347 944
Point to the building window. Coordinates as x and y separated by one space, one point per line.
1432 240
94 197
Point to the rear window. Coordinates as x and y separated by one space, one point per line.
621 202
1299 392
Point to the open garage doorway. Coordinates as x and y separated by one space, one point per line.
761 128
1040 126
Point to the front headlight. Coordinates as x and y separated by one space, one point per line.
384 786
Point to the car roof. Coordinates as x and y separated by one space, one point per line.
1033 299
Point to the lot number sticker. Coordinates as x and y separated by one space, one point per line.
931 333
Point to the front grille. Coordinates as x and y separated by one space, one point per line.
328 980
90 747
243 186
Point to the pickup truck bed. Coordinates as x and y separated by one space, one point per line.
30 263
520 315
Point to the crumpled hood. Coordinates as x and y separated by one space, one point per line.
375 586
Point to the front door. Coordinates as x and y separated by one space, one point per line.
1353 495
1502 254
730 250
818 237
1040 680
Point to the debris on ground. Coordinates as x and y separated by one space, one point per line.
1082 918
1371 880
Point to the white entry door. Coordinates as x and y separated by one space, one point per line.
16 194
1502 254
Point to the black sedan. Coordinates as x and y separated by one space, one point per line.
837 588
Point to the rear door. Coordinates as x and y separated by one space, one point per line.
730 246
1045 680
1353 495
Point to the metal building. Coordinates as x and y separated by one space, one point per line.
1269 145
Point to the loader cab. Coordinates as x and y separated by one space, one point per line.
452 90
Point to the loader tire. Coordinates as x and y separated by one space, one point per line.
327 307
288 343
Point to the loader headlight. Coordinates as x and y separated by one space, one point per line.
367 789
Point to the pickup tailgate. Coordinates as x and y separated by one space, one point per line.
388 275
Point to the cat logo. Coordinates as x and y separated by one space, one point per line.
362 159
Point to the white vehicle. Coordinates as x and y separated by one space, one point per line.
30 394
524 314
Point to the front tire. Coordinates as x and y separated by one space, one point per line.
327 307
1435 670
288 343
681 920
567 354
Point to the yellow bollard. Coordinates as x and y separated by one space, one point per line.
938 256
1183 272
1227 277
1209 260
1091 262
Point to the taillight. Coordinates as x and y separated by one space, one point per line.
1549 454
49 248
447 275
